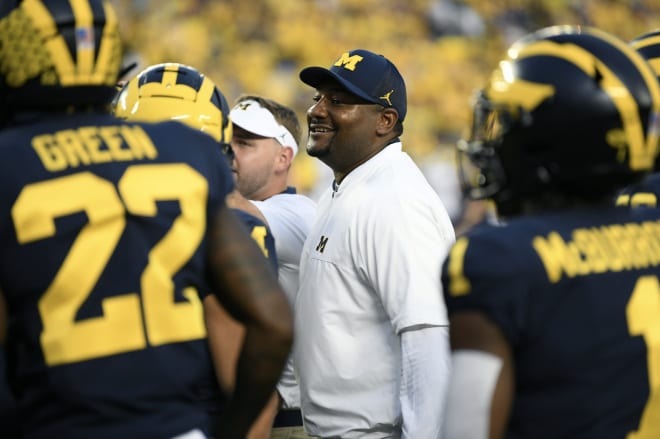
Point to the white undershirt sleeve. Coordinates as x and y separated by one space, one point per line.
425 370
470 395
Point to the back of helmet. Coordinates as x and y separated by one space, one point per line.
178 92
57 54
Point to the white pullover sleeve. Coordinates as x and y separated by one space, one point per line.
425 369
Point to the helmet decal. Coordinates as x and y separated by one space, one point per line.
90 55
642 149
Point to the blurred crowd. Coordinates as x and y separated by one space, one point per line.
444 48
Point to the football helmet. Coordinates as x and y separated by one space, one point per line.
648 45
176 91
571 111
56 53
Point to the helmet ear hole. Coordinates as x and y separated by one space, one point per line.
543 174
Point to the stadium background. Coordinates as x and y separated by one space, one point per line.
445 49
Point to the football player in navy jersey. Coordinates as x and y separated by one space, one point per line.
111 235
180 92
555 312
647 192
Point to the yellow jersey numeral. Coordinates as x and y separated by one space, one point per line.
121 327
643 315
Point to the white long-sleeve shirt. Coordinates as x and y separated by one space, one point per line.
370 270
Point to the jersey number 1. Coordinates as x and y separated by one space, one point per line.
643 314
129 320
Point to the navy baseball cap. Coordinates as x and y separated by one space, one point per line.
365 74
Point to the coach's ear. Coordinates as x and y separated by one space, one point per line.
284 159
387 121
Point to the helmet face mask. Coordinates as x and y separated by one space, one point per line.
571 112
74 49
480 169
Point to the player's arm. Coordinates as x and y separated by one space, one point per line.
8 413
261 429
226 336
482 384
247 287
238 201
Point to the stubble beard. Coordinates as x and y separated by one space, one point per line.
319 153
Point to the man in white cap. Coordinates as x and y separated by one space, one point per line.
264 143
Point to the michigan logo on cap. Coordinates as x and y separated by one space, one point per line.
348 62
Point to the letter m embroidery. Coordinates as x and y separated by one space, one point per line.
321 245
348 62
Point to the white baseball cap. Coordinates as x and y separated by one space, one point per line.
252 117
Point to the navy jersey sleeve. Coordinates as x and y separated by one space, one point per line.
492 274
262 235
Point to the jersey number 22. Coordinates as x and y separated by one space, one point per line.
130 320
